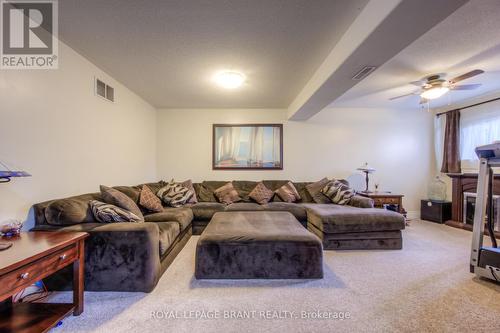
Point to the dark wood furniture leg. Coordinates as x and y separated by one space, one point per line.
78 280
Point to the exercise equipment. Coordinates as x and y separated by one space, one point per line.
484 260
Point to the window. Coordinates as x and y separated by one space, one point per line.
479 126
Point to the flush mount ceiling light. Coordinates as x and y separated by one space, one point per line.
434 92
229 79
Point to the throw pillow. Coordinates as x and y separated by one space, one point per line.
149 200
189 184
288 193
338 192
314 190
117 198
174 194
261 194
105 212
227 194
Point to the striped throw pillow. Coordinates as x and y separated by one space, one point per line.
338 192
104 212
174 194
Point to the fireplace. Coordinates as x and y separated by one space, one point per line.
469 207
463 200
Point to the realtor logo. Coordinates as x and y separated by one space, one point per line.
29 34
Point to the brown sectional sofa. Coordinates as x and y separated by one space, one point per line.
133 256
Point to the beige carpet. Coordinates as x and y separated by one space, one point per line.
426 287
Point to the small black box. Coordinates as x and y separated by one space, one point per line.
435 211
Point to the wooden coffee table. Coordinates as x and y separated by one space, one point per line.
32 257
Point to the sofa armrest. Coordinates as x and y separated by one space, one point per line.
121 256
361 202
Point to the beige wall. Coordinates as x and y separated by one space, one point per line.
53 126
398 143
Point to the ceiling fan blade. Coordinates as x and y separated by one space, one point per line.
413 93
467 86
418 83
466 75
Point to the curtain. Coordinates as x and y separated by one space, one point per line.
451 147
479 125
439 125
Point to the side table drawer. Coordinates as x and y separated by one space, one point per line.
32 272
386 201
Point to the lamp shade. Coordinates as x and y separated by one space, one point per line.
6 175
366 168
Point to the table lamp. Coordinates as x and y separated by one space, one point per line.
367 170
6 174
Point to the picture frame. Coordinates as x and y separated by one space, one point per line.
247 147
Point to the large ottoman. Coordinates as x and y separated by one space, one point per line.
352 228
258 245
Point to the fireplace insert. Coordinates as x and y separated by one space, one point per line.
470 206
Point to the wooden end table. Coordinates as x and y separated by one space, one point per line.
32 257
385 198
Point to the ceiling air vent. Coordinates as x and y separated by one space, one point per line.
364 72
103 90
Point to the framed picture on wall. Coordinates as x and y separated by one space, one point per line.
247 146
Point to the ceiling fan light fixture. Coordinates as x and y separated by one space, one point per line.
434 92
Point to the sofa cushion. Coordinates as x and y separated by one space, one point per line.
305 197
297 210
361 202
205 210
108 213
133 192
183 216
244 187
273 185
227 194
155 187
175 194
70 211
206 190
243 206
168 233
288 193
149 200
261 194
330 218
118 198
314 190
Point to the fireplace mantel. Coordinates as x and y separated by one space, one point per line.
465 182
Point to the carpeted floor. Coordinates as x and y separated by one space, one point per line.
426 287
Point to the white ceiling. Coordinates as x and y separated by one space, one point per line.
468 39
167 51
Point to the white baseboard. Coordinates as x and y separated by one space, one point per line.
413 215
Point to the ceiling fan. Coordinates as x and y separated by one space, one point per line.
434 86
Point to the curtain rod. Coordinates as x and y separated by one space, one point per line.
469 106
